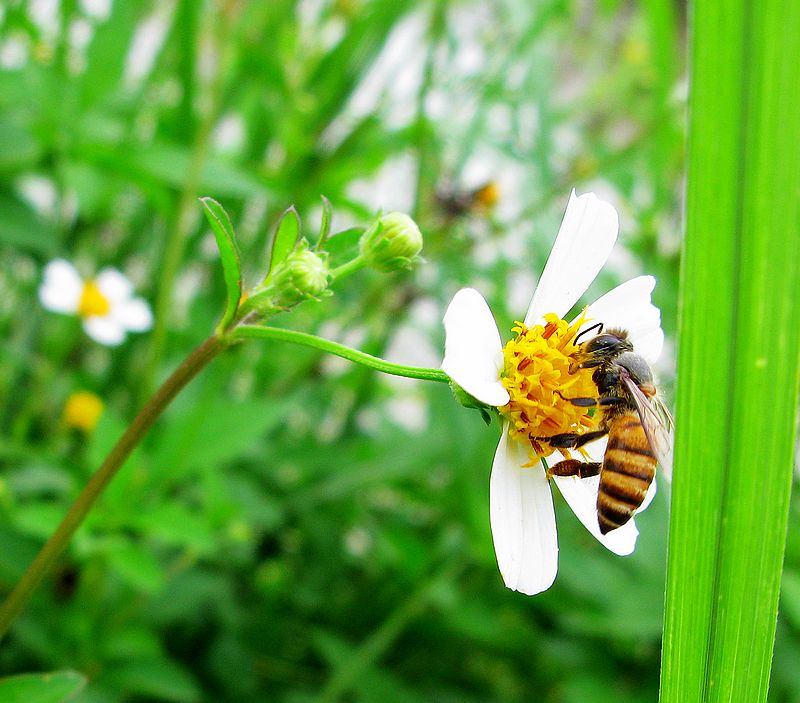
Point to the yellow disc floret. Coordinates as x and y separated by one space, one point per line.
92 301
537 377
82 411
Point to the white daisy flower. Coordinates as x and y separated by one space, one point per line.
528 393
105 303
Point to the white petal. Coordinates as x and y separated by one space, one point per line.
62 287
584 242
134 315
648 498
104 329
114 285
473 355
581 496
628 306
523 521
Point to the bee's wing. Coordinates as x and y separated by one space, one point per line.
657 423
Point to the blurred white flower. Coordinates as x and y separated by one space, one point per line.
105 303
521 506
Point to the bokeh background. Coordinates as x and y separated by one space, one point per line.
297 528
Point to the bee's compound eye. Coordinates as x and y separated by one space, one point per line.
602 343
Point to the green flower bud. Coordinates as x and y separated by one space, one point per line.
392 242
302 275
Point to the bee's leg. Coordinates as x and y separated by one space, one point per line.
586 364
574 467
594 402
570 440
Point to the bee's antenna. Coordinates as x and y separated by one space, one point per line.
598 327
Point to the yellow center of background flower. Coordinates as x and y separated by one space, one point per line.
82 411
536 375
92 301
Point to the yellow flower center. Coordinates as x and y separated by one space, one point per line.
92 301
538 379
82 411
488 195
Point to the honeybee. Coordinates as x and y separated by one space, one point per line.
457 203
638 424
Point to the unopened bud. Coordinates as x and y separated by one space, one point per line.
302 275
392 242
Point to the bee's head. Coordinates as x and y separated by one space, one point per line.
638 369
608 344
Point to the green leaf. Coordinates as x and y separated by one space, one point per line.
166 164
229 255
157 679
343 246
136 565
132 643
108 52
54 687
38 519
18 148
286 236
738 358
790 598
235 428
218 431
176 525
16 552
21 227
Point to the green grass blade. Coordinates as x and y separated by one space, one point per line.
229 256
738 357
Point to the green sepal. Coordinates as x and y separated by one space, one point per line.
229 256
286 236
469 401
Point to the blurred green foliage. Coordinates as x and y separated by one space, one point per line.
295 529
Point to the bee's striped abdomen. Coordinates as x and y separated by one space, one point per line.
629 467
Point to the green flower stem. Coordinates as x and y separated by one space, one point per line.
350 267
149 413
359 357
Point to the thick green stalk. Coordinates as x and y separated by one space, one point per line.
739 358
151 411
310 340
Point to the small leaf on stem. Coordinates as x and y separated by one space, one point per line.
229 256
286 235
325 227
343 245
